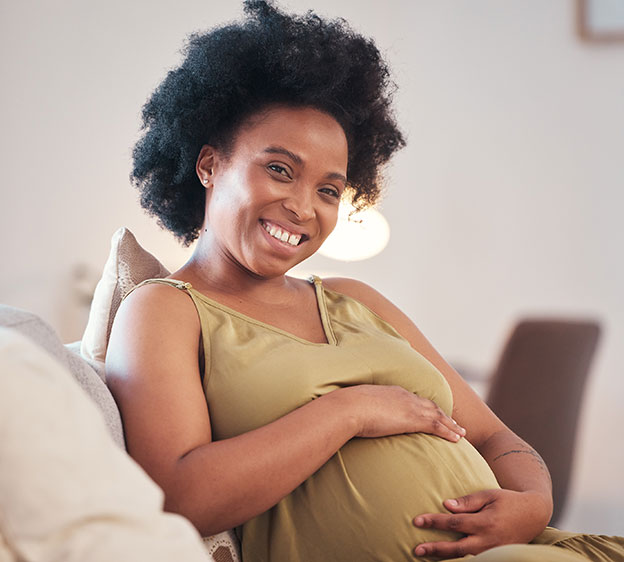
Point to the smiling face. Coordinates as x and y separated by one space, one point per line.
273 200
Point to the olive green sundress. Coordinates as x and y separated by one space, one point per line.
359 506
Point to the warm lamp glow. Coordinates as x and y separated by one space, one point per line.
357 236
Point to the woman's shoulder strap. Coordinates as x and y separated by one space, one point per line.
182 285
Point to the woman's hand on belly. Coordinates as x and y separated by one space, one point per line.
383 410
488 518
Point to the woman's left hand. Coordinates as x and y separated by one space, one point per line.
488 518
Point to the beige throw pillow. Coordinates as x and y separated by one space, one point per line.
128 264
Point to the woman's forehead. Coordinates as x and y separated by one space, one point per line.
303 131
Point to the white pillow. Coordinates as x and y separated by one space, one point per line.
128 264
67 491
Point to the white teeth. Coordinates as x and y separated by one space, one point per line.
283 235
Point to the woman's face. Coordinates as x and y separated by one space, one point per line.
274 199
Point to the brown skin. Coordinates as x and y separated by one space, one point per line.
291 176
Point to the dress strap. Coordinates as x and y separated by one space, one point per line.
182 285
322 306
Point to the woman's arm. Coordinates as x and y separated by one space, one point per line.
523 508
153 371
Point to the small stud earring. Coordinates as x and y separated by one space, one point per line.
205 181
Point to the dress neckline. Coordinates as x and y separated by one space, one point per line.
321 303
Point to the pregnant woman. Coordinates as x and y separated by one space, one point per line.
312 415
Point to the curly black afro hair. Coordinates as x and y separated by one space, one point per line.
232 72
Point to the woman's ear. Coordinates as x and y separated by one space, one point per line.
204 166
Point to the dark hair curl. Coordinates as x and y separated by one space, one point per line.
230 73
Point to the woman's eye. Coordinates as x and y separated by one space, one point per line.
331 191
279 169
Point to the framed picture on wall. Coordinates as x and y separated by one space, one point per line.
600 20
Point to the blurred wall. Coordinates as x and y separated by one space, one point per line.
506 202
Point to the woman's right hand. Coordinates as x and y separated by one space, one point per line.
382 410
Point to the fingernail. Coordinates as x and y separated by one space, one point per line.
453 503
418 521
420 551
459 427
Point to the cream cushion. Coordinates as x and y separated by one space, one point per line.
84 372
67 491
128 264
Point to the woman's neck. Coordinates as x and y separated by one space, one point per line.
212 271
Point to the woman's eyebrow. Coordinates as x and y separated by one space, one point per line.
280 150
337 176
299 161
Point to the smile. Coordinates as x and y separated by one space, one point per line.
282 234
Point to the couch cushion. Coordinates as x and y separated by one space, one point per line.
43 335
67 492
128 264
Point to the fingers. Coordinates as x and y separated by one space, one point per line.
391 410
442 425
466 524
470 503
487 518
457 549
462 523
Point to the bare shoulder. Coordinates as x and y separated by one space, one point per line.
168 306
151 321
156 297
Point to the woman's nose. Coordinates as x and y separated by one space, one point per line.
301 205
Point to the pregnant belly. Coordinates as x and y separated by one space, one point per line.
361 503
